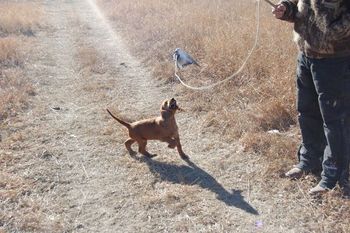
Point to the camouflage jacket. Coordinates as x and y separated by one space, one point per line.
321 27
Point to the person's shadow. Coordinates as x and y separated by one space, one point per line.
191 174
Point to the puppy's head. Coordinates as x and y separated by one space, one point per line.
170 105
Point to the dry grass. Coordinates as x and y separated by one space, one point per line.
19 18
10 54
17 22
90 64
219 35
89 60
14 93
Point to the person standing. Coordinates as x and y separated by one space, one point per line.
322 34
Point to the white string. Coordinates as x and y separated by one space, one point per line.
238 71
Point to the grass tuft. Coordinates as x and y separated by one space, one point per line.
19 18
10 54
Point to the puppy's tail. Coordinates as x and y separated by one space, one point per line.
126 124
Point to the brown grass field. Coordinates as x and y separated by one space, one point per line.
256 110
219 34
18 23
19 18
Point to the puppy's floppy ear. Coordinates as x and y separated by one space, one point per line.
164 105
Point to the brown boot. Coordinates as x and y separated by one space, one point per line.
294 173
318 190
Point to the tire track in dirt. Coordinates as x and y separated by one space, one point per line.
86 182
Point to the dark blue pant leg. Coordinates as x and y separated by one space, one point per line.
344 176
329 76
311 150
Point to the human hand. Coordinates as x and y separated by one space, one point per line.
279 11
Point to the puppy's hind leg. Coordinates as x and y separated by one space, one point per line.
128 144
142 149
171 142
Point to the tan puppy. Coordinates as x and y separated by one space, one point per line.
163 128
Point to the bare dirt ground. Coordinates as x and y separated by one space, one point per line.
84 180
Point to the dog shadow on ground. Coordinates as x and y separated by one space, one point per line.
191 174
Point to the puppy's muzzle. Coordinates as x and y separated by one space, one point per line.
174 106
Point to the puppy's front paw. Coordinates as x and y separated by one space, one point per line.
132 153
184 156
150 155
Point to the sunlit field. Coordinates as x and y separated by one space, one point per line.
18 22
256 108
219 34
18 25
63 163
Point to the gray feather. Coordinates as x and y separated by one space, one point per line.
183 59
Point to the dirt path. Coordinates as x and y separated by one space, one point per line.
84 179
